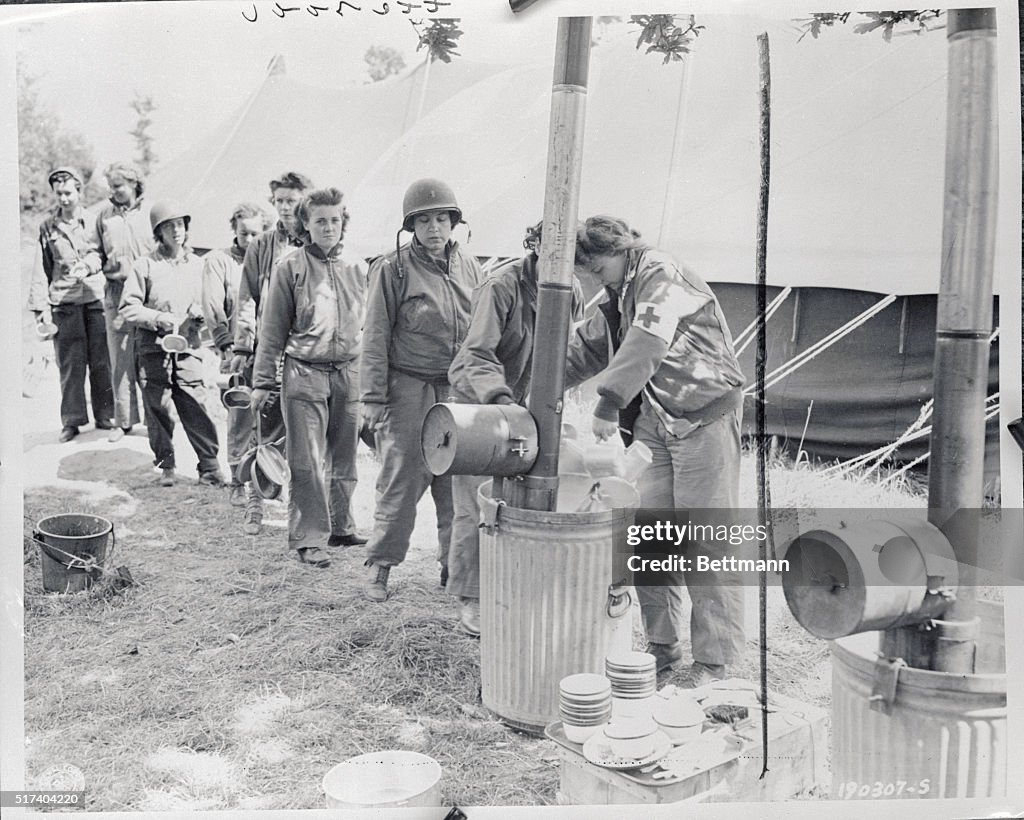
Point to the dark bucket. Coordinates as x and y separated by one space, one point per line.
73 548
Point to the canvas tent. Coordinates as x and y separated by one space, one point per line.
858 133
331 135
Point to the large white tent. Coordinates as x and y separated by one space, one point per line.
855 215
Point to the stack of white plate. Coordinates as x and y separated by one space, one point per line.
633 675
585 704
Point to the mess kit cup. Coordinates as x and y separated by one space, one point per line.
174 343
238 393
46 330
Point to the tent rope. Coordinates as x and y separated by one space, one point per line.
912 433
823 344
989 415
748 334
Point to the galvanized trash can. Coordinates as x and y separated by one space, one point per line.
550 605
945 734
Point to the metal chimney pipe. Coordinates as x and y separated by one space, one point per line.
539 489
964 318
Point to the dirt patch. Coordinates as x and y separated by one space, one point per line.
88 465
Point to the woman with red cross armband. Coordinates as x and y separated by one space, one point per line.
667 375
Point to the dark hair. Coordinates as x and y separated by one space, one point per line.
321 196
532 237
604 236
247 210
291 179
126 171
64 177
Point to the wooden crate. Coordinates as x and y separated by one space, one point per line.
796 763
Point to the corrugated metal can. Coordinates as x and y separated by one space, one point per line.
549 605
944 735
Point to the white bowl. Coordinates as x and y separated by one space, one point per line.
632 707
632 738
681 734
584 684
382 779
581 734
633 748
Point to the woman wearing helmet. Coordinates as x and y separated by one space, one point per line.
163 295
417 317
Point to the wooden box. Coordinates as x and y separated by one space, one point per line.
796 763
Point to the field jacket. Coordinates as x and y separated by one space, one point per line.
222 271
493 364
315 308
672 344
62 244
163 285
261 257
122 236
417 316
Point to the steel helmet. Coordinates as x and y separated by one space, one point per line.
429 195
165 210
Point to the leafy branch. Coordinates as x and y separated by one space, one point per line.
664 35
918 22
440 39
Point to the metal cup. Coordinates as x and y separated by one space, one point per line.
237 396
46 330
174 343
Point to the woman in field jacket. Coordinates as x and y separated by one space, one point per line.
416 320
660 335
314 316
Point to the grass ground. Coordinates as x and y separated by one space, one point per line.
231 676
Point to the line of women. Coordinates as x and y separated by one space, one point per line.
349 346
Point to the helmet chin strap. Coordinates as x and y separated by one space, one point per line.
398 252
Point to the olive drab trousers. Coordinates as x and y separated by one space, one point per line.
464 554
320 404
404 477
176 381
81 345
697 470
123 373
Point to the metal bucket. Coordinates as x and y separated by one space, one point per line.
73 548
944 736
549 605
479 439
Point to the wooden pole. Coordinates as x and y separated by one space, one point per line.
761 361
539 489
